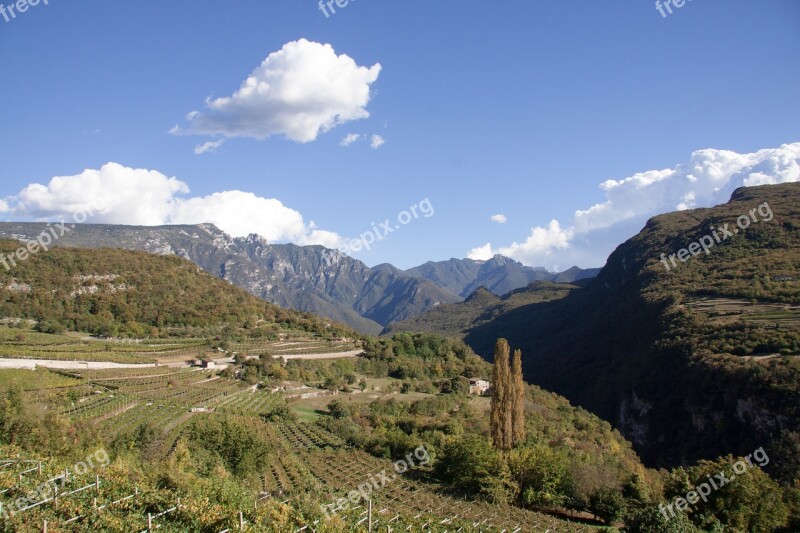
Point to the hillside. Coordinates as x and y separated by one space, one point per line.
694 362
126 293
307 278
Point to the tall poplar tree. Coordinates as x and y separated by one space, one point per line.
517 399
501 419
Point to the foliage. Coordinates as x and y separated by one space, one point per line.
473 466
607 504
750 501
650 519
111 292
501 415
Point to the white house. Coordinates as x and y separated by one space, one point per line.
479 386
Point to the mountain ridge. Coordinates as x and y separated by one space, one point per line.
307 278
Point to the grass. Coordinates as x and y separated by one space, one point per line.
308 414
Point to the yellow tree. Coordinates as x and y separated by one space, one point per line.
500 417
517 399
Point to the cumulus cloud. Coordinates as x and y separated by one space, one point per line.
377 141
541 242
481 253
500 218
349 139
209 146
707 179
300 91
115 194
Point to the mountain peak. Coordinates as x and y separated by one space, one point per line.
483 296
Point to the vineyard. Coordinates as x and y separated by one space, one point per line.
15 344
341 469
294 344
309 468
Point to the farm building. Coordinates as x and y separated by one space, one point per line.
479 386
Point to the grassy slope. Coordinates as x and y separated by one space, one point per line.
122 292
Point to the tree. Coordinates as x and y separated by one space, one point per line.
471 466
607 504
649 519
517 400
501 416
751 501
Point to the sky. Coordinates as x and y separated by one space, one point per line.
400 132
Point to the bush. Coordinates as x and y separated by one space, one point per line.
473 466
650 519
49 326
607 504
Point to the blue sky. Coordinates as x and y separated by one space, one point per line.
522 109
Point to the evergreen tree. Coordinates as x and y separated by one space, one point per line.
517 391
501 419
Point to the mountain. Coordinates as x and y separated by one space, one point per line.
121 292
482 307
307 278
499 274
574 274
690 362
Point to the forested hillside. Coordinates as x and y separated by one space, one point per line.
692 362
126 293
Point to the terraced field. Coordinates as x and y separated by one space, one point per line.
19 344
341 469
309 462
294 344
728 310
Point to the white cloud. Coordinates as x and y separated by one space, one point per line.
209 146
377 141
4 207
119 195
481 253
115 194
500 218
540 243
300 91
707 179
349 139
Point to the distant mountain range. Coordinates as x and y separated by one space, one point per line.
500 275
308 278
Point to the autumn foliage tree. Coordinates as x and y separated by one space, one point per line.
517 399
501 423
508 398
